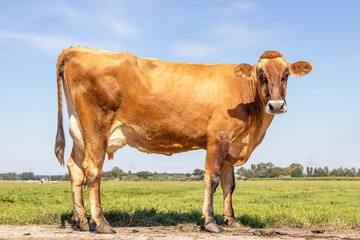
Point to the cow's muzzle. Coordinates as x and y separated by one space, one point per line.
276 107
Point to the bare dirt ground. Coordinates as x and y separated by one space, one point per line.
183 232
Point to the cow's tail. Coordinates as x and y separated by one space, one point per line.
60 139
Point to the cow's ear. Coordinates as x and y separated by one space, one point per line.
245 73
244 70
300 68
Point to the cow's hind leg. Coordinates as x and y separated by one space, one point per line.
93 163
216 151
74 165
228 186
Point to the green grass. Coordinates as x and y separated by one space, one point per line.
259 204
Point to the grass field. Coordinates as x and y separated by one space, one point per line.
259 204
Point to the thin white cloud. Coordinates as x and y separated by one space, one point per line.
193 50
53 45
240 6
245 6
93 18
237 36
120 28
231 32
226 36
45 43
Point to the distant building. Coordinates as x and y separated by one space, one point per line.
195 178
239 177
286 176
42 180
191 178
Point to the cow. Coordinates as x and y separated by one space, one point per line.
118 99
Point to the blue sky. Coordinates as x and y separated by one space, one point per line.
323 109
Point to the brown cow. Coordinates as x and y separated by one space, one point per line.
115 99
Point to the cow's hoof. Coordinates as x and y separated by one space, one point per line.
213 227
83 226
105 228
234 225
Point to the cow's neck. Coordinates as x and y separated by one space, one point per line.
261 120
245 141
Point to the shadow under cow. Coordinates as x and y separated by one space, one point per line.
151 217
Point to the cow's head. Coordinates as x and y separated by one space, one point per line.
269 78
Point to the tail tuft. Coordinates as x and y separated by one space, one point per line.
60 144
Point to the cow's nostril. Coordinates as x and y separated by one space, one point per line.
271 107
282 107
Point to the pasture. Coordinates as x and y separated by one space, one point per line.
257 204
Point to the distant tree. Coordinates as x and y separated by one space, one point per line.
297 172
27 176
113 173
10 176
316 173
341 172
276 172
242 171
348 172
269 166
253 167
117 172
66 177
327 172
297 165
262 173
248 173
353 171
287 171
319 172
334 173
144 174
56 177
198 172
309 172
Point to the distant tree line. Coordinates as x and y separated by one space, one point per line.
28 176
261 170
117 173
268 170
114 174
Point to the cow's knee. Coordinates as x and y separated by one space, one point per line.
93 176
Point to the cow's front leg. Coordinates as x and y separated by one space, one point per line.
217 148
93 164
77 180
228 186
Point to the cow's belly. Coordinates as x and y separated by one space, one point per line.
148 141
121 134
